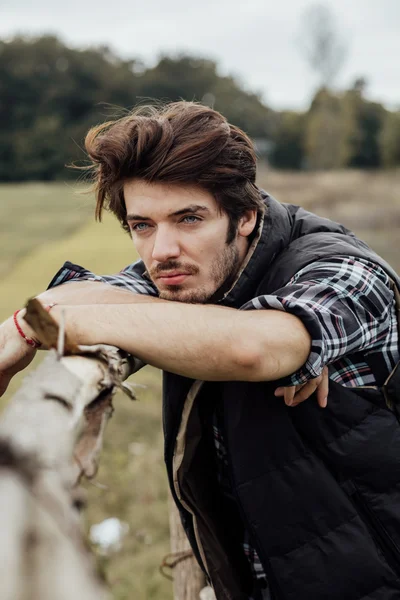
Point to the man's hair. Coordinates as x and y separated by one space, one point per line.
180 143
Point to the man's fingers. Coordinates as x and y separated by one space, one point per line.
323 388
289 393
293 395
306 391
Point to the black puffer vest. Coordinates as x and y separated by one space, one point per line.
317 489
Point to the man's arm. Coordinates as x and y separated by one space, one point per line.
198 341
328 310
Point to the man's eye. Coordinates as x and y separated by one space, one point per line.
140 227
190 219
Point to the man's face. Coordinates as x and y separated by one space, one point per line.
181 237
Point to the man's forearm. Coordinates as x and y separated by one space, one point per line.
198 341
88 293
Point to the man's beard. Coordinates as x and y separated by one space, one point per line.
222 273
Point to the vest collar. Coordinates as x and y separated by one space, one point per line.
273 236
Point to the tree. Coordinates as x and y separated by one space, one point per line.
50 95
389 140
288 149
321 43
343 130
323 132
362 123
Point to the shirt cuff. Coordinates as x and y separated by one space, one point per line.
70 272
129 278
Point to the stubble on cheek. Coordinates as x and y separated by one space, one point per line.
221 272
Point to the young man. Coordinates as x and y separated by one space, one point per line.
238 299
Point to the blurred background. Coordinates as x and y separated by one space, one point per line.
316 86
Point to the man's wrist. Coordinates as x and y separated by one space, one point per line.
25 331
10 339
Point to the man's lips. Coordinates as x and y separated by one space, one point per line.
172 278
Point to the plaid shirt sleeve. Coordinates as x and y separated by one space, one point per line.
346 305
129 278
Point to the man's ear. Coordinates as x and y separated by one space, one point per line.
247 222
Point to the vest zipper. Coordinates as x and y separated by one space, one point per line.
275 592
187 507
271 579
378 532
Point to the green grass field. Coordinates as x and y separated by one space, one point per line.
42 225
36 214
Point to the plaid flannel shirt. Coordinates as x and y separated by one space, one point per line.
346 305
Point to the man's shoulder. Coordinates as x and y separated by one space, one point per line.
317 247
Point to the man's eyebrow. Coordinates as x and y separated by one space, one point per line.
192 208
137 218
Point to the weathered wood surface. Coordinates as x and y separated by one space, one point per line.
188 579
50 435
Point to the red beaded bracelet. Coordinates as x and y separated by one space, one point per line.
29 341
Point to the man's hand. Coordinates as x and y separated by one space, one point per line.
295 394
15 353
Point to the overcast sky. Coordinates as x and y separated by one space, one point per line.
255 40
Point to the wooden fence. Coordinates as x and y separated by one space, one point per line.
50 436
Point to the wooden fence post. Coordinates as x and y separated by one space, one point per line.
188 578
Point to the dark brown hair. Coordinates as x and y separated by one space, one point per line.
181 142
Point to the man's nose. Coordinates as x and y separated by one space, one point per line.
166 245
